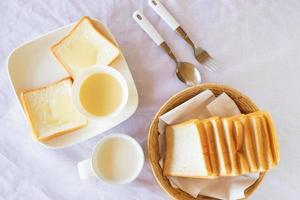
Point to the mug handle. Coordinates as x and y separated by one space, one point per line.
85 169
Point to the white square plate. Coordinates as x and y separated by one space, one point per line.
32 65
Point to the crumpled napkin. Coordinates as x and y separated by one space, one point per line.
202 106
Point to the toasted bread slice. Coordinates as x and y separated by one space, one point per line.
83 47
222 146
50 110
187 151
234 142
212 149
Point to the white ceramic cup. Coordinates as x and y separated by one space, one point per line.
90 168
79 80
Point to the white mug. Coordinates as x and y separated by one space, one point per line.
79 80
131 164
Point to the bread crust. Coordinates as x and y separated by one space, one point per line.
243 164
267 143
219 132
273 137
233 145
258 142
212 149
248 146
30 120
34 134
204 146
56 55
169 150
55 135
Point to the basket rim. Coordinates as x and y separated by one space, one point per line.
248 191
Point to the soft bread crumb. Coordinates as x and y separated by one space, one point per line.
50 110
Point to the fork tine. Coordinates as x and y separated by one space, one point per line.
211 65
205 59
209 68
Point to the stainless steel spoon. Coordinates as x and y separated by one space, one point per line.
186 72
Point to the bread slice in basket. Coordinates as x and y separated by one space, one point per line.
216 146
222 147
234 142
212 149
273 137
265 140
83 47
50 110
248 148
187 151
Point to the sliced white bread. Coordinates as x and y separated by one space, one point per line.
222 146
273 137
234 142
186 151
257 149
248 147
212 149
267 143
245 150
229 146
268 134
50 110
258 141
83 47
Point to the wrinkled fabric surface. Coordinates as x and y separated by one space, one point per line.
257 43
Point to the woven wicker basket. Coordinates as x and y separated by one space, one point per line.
242 101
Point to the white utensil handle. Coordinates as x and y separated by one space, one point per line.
147 27
163 13
85 169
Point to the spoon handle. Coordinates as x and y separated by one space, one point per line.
146 25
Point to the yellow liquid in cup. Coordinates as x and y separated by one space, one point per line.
100 94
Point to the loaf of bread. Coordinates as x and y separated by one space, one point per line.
50 110
83 47
230 146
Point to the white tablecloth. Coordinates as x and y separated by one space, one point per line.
256 41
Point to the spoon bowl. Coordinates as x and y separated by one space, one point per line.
188 73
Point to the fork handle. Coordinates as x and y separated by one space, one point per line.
163 13
184 36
